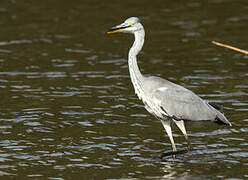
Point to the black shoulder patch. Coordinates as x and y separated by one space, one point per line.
215 106
163 110
177 119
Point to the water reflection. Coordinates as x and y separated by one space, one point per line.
170 172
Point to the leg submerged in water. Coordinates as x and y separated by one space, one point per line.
180 125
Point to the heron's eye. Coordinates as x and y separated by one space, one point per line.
130 24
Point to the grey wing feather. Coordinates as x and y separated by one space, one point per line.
181 103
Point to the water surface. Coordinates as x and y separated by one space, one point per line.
68 108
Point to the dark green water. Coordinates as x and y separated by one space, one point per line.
68 109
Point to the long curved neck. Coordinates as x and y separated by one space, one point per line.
135 73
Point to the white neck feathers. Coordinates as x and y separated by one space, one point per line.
135 73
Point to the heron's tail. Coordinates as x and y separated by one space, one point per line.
220 117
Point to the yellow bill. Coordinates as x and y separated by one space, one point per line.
118 28
113 31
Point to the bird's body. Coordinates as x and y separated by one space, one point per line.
173 100
167 101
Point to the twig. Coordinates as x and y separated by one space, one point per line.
230 47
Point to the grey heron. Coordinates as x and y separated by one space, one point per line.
167 101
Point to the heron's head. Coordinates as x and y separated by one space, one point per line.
131 25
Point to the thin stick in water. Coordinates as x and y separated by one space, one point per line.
230 47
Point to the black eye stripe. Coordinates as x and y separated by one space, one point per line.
124 27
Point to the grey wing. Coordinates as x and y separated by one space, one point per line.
168 99
183 104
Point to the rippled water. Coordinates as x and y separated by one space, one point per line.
68 109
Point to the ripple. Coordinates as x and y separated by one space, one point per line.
77 50
128 154
85 123
24 41
88 165
240 154
185 24
5 51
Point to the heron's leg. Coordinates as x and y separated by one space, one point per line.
180 125
167 127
